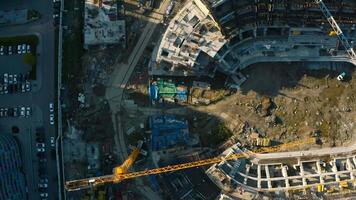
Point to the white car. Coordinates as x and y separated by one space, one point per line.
28 111
6 78
19 49
51 107
51 118
24 48
15 78
28 86
52 142
22 111
44 195
341 76
1 50
9 50
42 185
41 150
5 89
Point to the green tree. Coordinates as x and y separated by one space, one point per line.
219 134
29 59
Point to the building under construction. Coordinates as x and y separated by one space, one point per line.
229 35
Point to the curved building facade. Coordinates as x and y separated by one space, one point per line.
12 180
228 35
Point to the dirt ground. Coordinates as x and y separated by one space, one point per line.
302 102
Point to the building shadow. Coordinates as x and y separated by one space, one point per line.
270 78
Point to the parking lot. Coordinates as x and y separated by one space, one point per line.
27 92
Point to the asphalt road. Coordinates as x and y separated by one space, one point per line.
120 78
42 94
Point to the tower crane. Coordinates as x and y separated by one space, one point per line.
121 173
343 39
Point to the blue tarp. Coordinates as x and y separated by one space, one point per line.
153 92
168 132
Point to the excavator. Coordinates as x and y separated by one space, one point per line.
121 172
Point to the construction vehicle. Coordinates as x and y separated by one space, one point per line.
320 188
344 41
332 33
121 173
343 184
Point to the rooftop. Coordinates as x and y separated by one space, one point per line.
101 26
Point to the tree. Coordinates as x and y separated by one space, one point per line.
29 59
220 133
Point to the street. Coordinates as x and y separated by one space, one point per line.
120 78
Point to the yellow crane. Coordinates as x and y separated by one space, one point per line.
121 173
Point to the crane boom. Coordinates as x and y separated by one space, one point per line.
343 39
94 181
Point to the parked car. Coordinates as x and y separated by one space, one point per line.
52 142
6 78
28 86
41 150
19 49
9 50
28 48
23 87
51 107
5 89
28 111
22 111
341 76
15 79
23 48
1 112
6 112
11 79
51 118
1 89
42 185
40 145
15 113
43 194
2 52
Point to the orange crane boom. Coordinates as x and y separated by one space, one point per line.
94 181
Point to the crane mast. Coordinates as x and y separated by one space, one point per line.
343 39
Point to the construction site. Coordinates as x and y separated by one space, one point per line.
216 99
